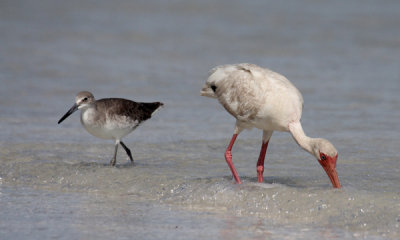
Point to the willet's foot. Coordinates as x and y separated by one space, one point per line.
111 118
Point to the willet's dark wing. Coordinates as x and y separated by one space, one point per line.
135 110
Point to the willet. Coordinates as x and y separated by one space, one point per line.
258 97
111 118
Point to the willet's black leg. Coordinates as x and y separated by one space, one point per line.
114 159
127 150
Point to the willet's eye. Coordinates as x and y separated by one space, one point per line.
85 99
214 88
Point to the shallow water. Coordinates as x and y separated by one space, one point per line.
55 179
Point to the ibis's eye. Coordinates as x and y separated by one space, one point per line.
214 88
323 157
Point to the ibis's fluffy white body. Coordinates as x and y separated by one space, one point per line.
255 96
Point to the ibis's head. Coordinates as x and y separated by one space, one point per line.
327 155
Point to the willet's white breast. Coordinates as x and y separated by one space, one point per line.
111 118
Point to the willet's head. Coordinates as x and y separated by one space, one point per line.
83 100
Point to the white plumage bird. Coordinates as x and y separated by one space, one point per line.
258 97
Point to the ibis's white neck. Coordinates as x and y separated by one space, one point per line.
301 138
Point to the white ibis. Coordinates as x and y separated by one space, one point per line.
111 118
258 97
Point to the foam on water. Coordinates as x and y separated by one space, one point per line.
158 177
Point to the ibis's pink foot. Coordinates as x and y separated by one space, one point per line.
228 158
260 162
260 171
